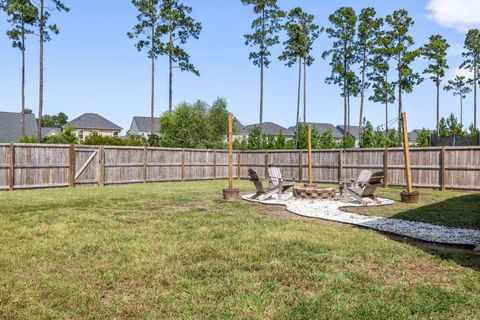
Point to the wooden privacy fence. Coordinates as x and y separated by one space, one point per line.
24 166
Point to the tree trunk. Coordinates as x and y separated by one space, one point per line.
305 92
170 75
152 101
262 70
475 75
438 106
400 106
348 112
362 97
386 107
23 82
461 109
298 99
40 95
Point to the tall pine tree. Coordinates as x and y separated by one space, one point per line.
264 36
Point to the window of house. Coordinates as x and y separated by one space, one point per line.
80 134
115 133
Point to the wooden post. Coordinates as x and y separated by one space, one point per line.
443 168
11 168
406 148
266 164
340 164
230 151
300 166
71 166
101 166
183 165
214 165
385 168
144 173
310 158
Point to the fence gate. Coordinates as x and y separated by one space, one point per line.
87 166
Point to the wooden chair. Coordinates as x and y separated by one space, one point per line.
261 193
368 190
360 182
276 179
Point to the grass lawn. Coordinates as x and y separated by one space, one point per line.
176 251
449 208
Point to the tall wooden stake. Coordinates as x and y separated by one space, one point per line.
406 148
230 151
310 171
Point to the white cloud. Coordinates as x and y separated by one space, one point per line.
458 14
468 74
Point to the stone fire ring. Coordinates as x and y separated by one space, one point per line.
310 192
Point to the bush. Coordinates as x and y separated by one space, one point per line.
31 139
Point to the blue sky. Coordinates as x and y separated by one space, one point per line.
92 66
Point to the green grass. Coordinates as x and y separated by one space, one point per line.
177 251
449 208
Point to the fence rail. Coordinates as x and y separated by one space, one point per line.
26 166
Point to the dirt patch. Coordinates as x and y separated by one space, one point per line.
411 272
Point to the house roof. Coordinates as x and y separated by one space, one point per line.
269 128
412 136
323 127
354 131
46 131
93 121
11 126
143 123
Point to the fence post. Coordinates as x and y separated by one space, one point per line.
385 168
183 164
300 166
443 169
11 168
71 166
101 166
266 164
238 165
340 164
144 165
214 165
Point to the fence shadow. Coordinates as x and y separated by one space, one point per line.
462 211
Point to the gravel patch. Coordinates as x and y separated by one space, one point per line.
330 210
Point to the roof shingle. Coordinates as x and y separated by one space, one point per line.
93 121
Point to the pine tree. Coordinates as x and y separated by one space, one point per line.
180 27
367 35
22 15
342 53
265 28
149 30
302 33
45 30
460 89
436 52
397 44
472 63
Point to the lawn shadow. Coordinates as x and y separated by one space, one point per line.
459 212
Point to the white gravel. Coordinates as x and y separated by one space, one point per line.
330 210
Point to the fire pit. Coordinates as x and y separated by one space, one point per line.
314 192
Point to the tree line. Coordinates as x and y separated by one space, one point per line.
370 57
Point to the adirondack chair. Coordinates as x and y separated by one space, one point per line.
368 190
276 180
360 182
262 193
